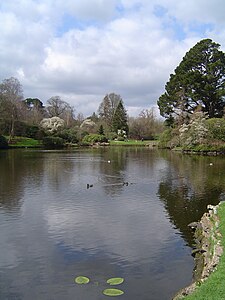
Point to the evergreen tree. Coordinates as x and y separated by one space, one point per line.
101 130
120 121
199 80
108 107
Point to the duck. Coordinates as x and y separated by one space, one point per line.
89 185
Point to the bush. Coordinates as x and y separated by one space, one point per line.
32 131
111 135
53 142
120 138
3 142
165 138
69 135
216 128
94 138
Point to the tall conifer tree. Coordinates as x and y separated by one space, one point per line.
199 80
120 121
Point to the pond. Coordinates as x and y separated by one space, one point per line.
101 213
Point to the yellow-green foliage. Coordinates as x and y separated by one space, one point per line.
94 138
165 138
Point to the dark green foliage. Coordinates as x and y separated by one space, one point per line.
94 138
119 121
199 80
3 142
108 107
69 135
53 142
216 128
33 131
33 102
101 130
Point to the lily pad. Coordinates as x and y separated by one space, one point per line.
82 280
113 292
115 281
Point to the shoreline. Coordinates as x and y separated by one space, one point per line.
207 252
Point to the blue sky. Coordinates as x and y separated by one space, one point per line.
82 50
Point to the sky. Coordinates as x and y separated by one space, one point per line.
82 50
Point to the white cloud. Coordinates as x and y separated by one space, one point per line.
83 50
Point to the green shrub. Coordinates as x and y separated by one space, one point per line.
32 131
69 135
165 138
53 142
3 142
111 135
120 138
94 138
216 127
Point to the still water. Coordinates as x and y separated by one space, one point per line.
131 222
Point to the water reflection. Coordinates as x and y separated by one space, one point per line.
16 175
137 231
188 187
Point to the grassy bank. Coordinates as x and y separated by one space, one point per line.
24 142
214 287
133 143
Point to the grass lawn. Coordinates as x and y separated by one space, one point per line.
214 287
132 143
21 142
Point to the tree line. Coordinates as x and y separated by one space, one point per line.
59 120
193 106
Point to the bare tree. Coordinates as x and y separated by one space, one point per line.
56 106
11 95
146 125
60 108
69 116
79 118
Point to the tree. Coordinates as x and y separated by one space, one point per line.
56 106
60 108
34 110
108 107
89 126
101 130
119 121
11 95
52 125
145 126
199 80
